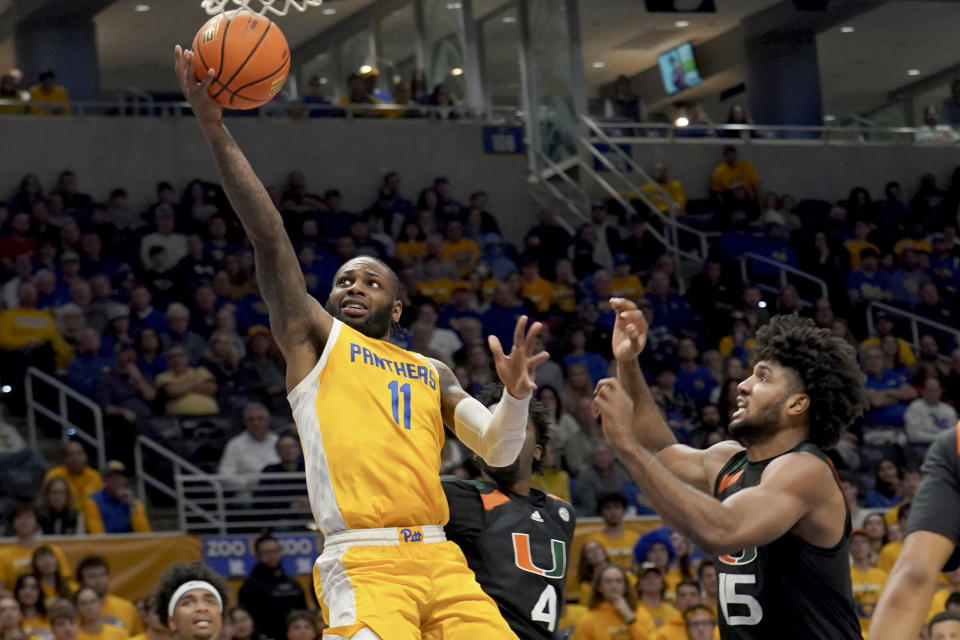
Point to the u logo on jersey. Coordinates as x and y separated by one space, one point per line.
746 556
524 560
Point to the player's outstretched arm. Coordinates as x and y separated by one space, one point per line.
648 427
297 320
496 437
905 600
791 487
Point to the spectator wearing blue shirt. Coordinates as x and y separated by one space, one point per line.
142 313
501 318
906 281
494 254
661 342
888 394
868 283
458 309
595 364
887 492
150 358
693 379
180 335
85 370
50 292
670 308
944 265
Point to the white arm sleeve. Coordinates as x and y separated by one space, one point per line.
496 437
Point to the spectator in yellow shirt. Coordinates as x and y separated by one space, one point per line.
615 538
614 614
733 169
550 478
625 284
93 625
51 570
859 242
676 201
75 469
54 98
461 251
28 332
536 289
688 604
94 572
651 587
63 621
16 558
113 509
190 391
867 581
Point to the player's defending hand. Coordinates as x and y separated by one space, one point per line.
516 369
206 110
629 330
615 409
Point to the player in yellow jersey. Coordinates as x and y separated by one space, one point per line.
371 417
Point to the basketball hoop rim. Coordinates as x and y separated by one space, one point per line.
275 7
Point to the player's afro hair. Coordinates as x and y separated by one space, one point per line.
826 367
491 395
179 574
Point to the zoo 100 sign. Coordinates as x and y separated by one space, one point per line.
233 556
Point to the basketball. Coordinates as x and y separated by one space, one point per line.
249 54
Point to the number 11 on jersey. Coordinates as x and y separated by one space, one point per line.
396 389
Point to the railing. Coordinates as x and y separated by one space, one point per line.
579 206
785 273
141 107
164 457
61 416
672 227
652 132
227 504
915 322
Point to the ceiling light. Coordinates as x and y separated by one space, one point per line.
508 19
681 121
829 117
681 23
598 65
847 29
456 71
324 81
366 69
453 5
140 8
329 11
913 72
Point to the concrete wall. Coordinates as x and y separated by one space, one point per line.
351 155
806 169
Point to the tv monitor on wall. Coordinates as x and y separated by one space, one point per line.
679 69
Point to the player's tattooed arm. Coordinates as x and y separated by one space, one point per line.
296 319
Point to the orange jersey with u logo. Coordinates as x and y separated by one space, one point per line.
371 430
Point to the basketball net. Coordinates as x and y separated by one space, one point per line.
260 7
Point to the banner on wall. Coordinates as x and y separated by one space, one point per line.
504 140
136 560
233 556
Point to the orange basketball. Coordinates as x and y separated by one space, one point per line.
249 54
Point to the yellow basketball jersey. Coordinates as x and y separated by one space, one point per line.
371 430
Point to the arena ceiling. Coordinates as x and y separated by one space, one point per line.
859 69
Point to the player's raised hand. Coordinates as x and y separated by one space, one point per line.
516 369
629 329
206 110
615 409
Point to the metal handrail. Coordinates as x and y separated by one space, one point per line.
765 133
62 415
144 478
556 170
915 322
669 222
465 113
227 502
784 269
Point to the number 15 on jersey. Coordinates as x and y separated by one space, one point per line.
396 391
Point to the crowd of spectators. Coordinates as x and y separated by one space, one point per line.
155 314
